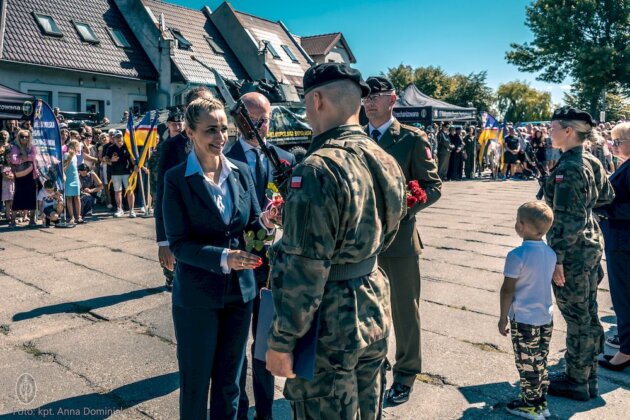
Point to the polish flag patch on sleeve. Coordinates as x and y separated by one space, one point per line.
559 178
296 182
428 152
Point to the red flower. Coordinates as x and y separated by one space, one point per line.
415 194
284 162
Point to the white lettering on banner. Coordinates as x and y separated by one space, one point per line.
406 114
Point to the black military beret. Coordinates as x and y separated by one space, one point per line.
566 113
175 116
325 73
379 84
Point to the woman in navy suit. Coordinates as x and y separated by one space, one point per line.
616 229
209 202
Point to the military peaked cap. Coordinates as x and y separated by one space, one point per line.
379 84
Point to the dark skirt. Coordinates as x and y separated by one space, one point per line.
25 193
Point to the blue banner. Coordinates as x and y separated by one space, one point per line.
47 142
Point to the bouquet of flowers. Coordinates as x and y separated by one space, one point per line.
415 194
258 240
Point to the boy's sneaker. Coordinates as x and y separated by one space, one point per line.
132 214
544 408
613 341
524 409
119 213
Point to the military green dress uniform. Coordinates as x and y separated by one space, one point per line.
401 261
344 205
575 186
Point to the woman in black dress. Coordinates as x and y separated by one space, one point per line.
22 160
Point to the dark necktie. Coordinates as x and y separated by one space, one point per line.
375 135
260 176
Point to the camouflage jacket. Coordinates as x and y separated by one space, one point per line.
575 186
344 205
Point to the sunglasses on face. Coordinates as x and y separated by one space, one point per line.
618 142
373 97
23 137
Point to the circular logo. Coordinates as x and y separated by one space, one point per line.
25 388
423 113
27 108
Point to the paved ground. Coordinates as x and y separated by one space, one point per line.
84 315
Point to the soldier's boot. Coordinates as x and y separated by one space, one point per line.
563 386
593 386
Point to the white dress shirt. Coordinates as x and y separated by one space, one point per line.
221 193
382 129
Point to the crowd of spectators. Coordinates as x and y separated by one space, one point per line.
527 152
96 167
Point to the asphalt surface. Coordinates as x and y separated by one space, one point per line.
86 328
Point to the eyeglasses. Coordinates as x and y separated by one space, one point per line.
370 98
259 123
617 142
23 137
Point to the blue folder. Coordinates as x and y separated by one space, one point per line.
305 347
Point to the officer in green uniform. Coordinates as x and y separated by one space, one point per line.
401 262
575 186
344 205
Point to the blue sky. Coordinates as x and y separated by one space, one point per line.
461 36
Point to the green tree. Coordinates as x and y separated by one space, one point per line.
471 90
400 76
517 101
588 40
433 81
616 104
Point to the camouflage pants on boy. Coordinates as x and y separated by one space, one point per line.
531 347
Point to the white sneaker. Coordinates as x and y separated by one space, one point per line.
132 214
143 210
119 213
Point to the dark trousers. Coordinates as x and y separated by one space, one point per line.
87 204
263 381
404 283
211 345
618 263
456 166
443 162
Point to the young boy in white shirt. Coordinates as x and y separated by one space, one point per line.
51 202
527 306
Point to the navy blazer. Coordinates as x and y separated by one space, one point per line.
197 235
172 153
236 152
616 226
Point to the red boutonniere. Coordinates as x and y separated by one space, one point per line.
415 194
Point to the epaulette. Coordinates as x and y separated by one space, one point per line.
413 129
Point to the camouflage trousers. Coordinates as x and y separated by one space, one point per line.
347 385
531 347
577 302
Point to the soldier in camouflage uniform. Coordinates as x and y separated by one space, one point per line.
344 205
576 185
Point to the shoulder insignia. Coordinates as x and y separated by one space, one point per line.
296 182
559 178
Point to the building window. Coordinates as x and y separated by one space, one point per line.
86 33
290 53
119 38
215 47
47 25
69 102
272 50
182 42
44 95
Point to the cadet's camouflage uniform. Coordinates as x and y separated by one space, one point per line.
575 186
531 347
344 206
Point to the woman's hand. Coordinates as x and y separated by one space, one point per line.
558 275
241 260
271 217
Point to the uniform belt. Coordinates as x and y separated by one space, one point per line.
343 272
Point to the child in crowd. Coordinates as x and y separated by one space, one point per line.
51 203
526 305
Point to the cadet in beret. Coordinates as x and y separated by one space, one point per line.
411 148
575 186
345 202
